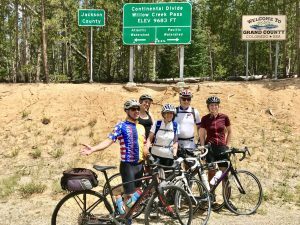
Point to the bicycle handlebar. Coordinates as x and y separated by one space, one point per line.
244 151
198 149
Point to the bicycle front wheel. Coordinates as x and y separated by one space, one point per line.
243 193
171 206
201 202
81 208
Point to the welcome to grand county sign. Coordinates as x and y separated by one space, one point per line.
264 27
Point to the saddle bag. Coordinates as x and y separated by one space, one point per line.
77 179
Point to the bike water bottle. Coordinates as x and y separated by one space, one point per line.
204 179
133 198
120 205
215 179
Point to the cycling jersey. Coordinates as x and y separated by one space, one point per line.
185 119
132 139
215 128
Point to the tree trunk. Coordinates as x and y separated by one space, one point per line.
38 65
16 63
297 37
44 42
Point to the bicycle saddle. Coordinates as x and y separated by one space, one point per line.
103 168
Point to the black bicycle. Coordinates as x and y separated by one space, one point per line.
167 203
241 192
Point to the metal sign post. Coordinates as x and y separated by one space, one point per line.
91 18
247 60
131 61
91 65
276 60
181 62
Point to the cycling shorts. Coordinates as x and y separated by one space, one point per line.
130 172
216 153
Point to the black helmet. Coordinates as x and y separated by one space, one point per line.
213 99
144 97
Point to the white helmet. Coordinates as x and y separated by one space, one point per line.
168 108
131 104
185 94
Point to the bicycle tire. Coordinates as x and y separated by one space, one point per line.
115 180
243 203
202 205
82 207
173 209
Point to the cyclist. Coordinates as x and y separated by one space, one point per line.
131 137
187 117
146 118
163 135
215 128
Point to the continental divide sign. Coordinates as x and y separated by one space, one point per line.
264 27
91 17
157 23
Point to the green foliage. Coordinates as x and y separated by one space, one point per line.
8 185
216 49
31 188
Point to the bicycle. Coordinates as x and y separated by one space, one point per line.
242 191
88 207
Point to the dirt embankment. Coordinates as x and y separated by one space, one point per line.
43 126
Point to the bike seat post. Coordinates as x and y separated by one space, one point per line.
108 185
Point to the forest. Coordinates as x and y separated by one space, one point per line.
40 41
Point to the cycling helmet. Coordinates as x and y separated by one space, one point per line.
168 108
213 99
131 104
185 94
144 97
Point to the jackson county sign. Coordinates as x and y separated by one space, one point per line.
157 23
269 27
91 17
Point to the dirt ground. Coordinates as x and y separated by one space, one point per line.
42 127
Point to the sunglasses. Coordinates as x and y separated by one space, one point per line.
134 109
186 99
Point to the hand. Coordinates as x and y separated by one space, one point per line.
87 150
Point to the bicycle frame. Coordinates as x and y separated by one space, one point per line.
146 192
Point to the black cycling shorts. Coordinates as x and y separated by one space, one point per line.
163 161
216 153
130 172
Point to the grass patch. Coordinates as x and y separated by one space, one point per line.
8 185
66 130
31 188
36 153
285 193
57 153
25 114
56 187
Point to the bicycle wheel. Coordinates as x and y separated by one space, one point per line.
114 180
243 194
217 198
82 207
172 206
201 202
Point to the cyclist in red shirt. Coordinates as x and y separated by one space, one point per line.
215 129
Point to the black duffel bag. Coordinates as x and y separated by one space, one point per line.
77 179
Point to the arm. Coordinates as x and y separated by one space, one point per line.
87 150
150 114
175 147
229 134
202 133
148 144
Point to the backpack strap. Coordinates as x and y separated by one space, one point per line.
193 112
158 124
175 126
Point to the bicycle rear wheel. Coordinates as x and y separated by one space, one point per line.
172 206
201 202
82 208
243 193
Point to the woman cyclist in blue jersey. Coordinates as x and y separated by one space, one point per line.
131 137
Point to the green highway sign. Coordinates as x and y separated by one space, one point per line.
157 23
91 17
